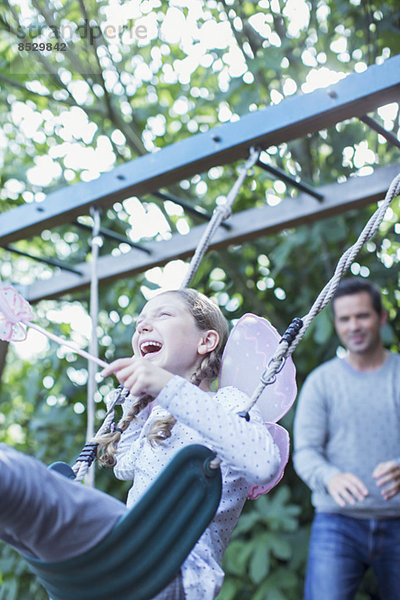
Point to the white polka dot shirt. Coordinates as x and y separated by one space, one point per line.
249 457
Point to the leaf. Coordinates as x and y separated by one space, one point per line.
228 591
246 523
237 557
263 506
259 562
323 328
276 594
280 547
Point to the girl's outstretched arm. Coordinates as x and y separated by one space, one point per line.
247 446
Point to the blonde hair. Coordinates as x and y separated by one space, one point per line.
207 315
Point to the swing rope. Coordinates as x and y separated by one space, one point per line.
81 468
220 214
89 451
298 327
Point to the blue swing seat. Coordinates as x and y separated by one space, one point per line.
146 548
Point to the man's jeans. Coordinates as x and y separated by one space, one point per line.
341 550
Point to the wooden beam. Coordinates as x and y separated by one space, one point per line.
246 225
293 118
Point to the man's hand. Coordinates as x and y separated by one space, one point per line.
388 474
138 375
347 488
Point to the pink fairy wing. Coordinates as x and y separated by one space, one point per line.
281 439
13 306
11 332
250 346
14 310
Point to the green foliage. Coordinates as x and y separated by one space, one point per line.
261 558
16 581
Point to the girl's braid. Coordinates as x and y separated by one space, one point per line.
208 368
108 442
161 428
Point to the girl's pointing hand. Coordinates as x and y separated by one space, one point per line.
138 375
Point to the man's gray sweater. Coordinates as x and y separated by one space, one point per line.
349 421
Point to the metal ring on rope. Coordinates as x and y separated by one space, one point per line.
268 379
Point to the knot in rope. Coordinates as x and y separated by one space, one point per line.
223 211
88 453
292 331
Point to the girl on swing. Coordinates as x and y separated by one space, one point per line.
178 345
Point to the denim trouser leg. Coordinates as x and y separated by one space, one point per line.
335 566
386 558
341 550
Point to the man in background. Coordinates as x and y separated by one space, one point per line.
347 450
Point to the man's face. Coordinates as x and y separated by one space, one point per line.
357 323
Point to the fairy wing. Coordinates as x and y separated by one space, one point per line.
248 351
250 347
11 332
281 439
14 311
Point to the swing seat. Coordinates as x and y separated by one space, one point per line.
146 548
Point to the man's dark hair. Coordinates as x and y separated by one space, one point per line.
348 287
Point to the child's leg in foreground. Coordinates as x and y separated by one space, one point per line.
45 515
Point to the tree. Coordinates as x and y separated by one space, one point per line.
132 78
